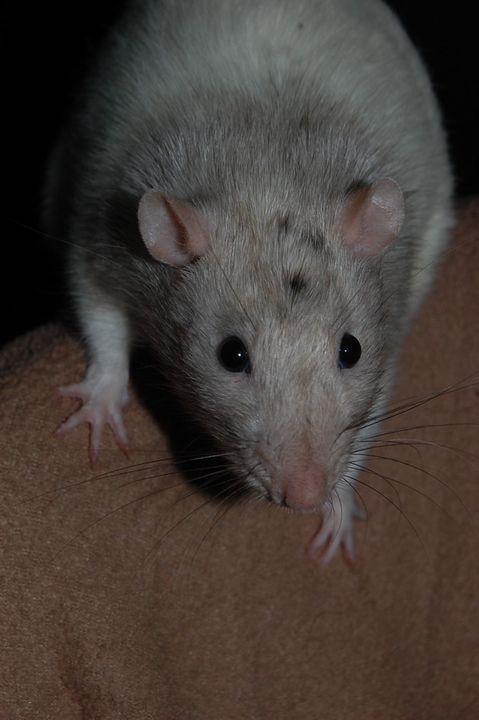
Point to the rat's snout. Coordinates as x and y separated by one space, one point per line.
305 489
297 474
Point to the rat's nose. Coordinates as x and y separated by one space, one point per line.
305 490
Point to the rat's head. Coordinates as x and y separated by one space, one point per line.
282 336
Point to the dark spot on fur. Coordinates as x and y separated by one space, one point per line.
283 224
296 284
305 122
316 240
300 26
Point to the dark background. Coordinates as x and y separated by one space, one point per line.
45 50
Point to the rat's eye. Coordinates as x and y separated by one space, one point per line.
349 351
233 355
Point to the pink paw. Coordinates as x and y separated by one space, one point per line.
336 528
102 403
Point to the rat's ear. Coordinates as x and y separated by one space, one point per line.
173 230
372 217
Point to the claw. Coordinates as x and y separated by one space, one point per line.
102 399
336 528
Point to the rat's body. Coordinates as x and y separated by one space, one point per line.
295 191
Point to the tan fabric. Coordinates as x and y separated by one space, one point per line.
125 595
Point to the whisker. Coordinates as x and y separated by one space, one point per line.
114 510
407 406
411 442
341 513
425 472
182 460
171 529
149 477
388 480
351 482
174 471
394 431
377 445
128 470
398 508
210 477
365 468
219 514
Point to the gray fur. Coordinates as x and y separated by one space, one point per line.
258 111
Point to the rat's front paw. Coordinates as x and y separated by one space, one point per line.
336 527
103 397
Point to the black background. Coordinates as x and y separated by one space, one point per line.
45 48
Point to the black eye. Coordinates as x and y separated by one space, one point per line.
349 352
233 355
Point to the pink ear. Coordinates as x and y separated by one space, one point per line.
173 230
372 217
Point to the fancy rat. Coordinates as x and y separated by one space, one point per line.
261 191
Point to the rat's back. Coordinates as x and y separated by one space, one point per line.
187 90
342 51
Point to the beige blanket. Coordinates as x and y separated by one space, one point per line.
126 594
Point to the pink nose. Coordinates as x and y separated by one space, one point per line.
305 490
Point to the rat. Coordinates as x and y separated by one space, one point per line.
261 191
